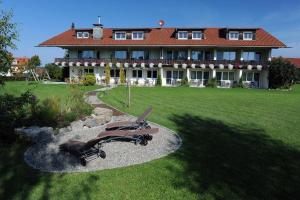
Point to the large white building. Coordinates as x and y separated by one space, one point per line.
227 54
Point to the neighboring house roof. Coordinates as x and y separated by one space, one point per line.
294 61
163 37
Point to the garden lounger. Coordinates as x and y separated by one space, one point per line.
140 123
90 150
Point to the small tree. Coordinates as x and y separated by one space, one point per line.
34 62
107 74
55 72
281 73
158 80
8 35
122 74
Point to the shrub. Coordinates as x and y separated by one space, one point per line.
238 84
76 103
158 80
89 79
14 112
55 72
122 75
107 75
212 82
184 82
281 73
48 112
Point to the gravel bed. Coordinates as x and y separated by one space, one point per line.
47 156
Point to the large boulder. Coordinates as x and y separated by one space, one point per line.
37 134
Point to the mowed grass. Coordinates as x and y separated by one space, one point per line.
237 144
42 91
277 112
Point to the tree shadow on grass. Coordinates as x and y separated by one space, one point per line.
18 181
225 162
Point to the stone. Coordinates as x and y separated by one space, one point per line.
91 122
102 115
100 119
76 125
64 130
37 134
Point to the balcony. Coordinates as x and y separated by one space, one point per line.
162 62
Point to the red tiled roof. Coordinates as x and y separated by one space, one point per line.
164 36
294 61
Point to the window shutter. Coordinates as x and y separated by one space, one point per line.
254 36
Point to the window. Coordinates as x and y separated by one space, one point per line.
226 55
86 54
79 34
234 35
197 55
250 76
182 55
88 70
247 36
137 35
139 55
197 75
137 73
115 73
121 54
182 35
152 74
83 34
86 35
225 76
197 35
120 35
248 56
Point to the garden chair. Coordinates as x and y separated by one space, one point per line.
140 123
90 150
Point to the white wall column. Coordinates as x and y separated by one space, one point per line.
215 54
161 53
270 55
239 74
163 79
188 74
241 56
213 73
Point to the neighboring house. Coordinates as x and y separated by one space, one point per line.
19 65
294 61
199 54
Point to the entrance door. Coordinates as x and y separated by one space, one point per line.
207 55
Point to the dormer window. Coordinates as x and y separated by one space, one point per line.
247 36
197 35
120 35
83 35
234 35
138 35
182 35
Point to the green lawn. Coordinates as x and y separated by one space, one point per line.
41 90
237 144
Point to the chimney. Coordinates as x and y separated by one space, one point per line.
72 25
98 30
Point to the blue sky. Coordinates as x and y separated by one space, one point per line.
39 20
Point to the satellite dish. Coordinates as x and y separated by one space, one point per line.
161 23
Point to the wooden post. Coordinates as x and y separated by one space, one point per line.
129 95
